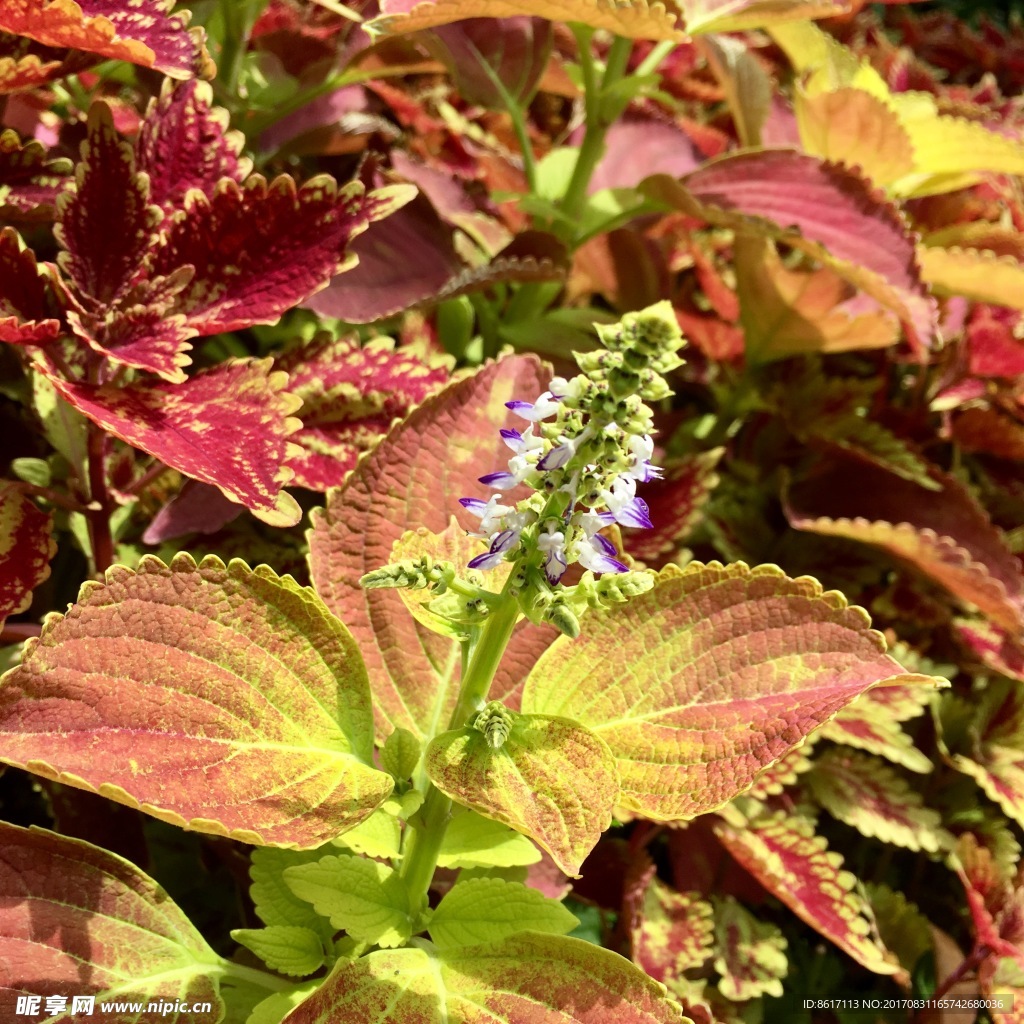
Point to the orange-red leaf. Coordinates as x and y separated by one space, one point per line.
26 547
223 699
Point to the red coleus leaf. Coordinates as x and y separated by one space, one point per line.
796 866
1000 651
673 934
829 212
750 954
260 248
227 426
25 64
27 303
29 178
996 901
244 699
140 31
351 394
26 547
78 921
413 478
184 143
947 536
105 221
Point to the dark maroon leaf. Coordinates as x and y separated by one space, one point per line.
184 143
29 178
27 305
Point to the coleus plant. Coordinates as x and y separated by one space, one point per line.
443 728
265 707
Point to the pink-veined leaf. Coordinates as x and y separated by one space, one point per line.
259 248
1001 651
750 954
142 32
184 143
673 934
675 502
872 723
227 426
870 795
105 221
77 920
946 535
26 547
785 772
27 303
994 756
223 699
196 508
351 394
526 979
704 681
29 178
413 478
829 212
551 779
795 865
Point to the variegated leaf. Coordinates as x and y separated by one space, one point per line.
184 143
945 534
78 921
868 794
520 981
794 864
29 178
351 395
750 954
222 699
227 426
413 478
550 779
26 547
701 683
27 304
139 31
674 933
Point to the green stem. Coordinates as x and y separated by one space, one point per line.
599 116
655 57
420 861
487 321
230 969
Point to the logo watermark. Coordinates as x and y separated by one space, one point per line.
88 1006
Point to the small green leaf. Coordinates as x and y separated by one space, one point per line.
276 1007
488 910
284 948
33 471
275 903
400 754
364 897
473 841
379 836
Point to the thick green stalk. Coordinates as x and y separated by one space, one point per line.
420 860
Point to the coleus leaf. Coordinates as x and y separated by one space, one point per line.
692 705
29 178
787 312
826 211
275 903
259 248
550 779
872 723
795 865
142 32
568 981
750 955
351 394
226 426
673 933
184 143
485 911
995 757
473 841
290 949
785 772
975 273
258 723
26 547
1000 651
366 898
25 64
413 478
379 836
77 919
946 535
866 793
27 302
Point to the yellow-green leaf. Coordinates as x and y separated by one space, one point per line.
473 841
974 273
289 949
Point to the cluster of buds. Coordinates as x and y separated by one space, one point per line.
587 446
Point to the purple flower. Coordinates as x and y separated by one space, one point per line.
495 555
641 450
545 406
552 542
596 554
626 508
